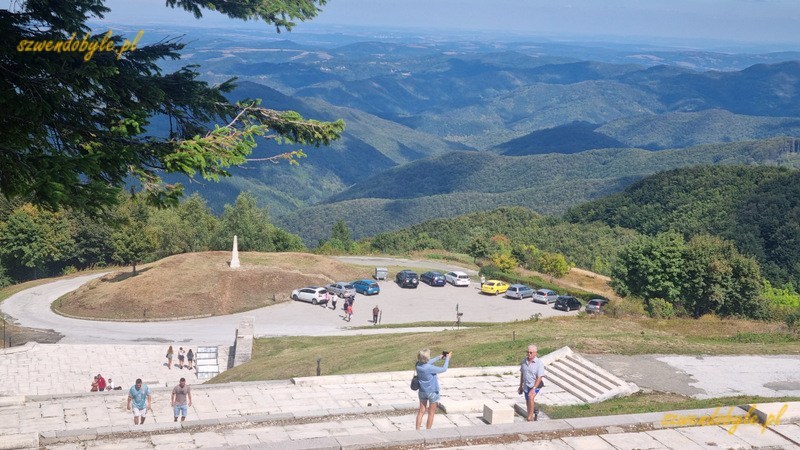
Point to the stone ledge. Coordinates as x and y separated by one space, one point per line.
16 400
18 441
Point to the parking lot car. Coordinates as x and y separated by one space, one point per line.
312 294
494 287
407 278
366 287
596 305
341 289
519 291
567 303
457 278
545 296
432 278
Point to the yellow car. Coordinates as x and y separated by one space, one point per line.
494 287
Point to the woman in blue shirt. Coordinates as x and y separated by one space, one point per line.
429 384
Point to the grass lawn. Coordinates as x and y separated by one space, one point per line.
503 344
654 402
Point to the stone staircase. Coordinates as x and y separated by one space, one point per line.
207 362
582 378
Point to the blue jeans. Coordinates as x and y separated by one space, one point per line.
425 397
181 410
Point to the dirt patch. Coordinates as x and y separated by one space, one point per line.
579 279
15 335
202 284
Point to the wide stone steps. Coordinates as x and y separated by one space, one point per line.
207 362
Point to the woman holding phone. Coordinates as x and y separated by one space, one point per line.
429 384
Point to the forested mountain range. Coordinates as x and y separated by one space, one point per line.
755 207
461 182
425 118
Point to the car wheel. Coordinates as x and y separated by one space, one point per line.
294 297
314 301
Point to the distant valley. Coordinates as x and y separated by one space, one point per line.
437 128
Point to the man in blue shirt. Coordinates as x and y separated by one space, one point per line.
530 379
139 394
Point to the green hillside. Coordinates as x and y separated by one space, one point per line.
685 129
570 138
592 246
457 183
756 207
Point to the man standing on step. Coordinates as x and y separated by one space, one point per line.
139 394
530 380
180 393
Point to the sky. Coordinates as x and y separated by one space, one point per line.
734 21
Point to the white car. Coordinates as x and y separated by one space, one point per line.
312 294
457 278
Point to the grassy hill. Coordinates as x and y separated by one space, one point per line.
457 183
202 283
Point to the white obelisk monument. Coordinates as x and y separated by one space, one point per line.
235 253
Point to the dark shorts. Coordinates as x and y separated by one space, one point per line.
528 391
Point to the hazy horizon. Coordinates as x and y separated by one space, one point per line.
769 25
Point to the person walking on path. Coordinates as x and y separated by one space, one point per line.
483 280
349 314
180 394
190 358
333 301
139 395
181 357
169 357
375 312
530 380
429 384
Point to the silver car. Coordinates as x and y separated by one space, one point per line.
519 291
342 289
545 296
595 306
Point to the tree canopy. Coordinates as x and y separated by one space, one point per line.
75 128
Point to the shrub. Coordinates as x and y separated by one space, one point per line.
69 270
658 308
625 307
793 321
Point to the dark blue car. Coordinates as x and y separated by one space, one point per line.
432 278
366 287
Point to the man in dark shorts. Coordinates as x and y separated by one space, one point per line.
530 379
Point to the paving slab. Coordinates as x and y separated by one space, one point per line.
671 438
633 441
714 437
587 443
757 436
305 444
14 441
778 413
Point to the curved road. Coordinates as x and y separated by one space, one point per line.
31 308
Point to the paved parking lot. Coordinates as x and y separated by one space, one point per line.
427 303
31 308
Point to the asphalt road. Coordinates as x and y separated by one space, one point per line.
31 308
